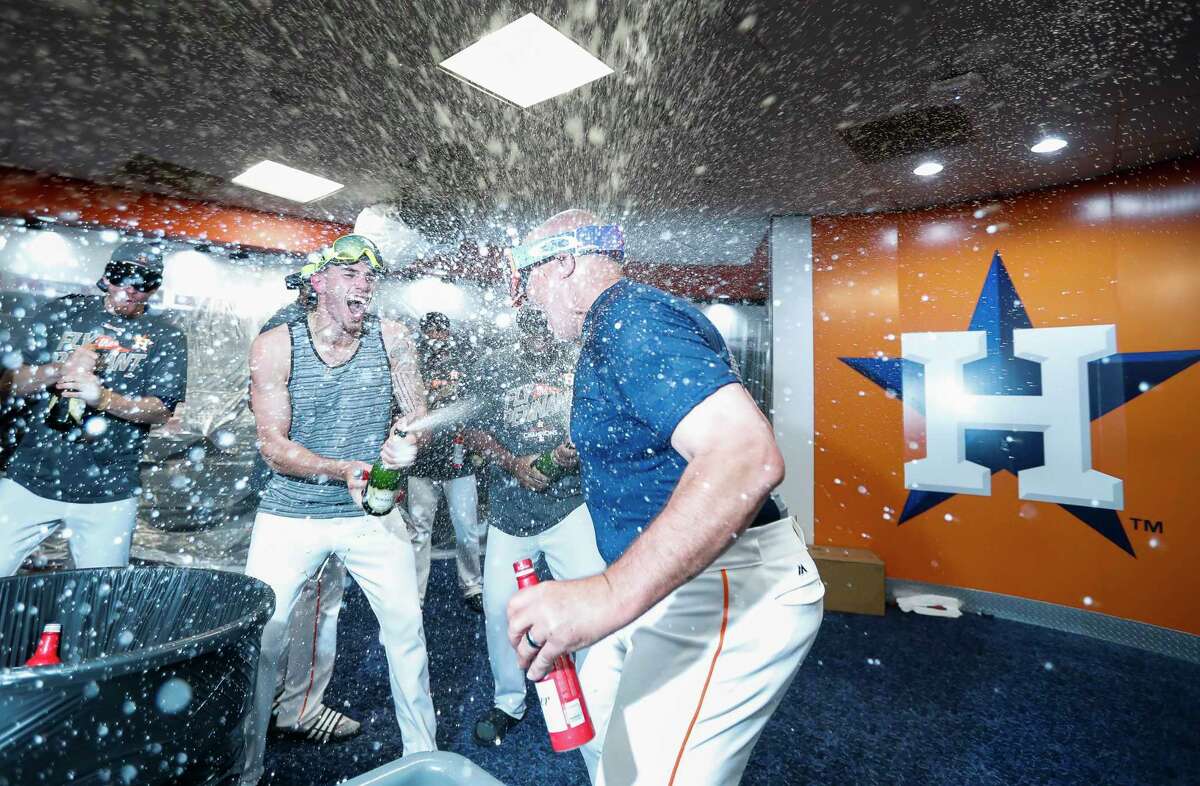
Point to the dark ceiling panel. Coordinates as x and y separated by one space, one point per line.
920 131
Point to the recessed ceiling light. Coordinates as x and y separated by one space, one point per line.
525 62
928 169
284 181
1051 144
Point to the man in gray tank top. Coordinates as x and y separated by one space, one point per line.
324 390
299 710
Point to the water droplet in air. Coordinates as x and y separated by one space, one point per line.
173 696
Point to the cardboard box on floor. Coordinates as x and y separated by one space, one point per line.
853 579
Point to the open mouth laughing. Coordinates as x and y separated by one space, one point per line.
357 305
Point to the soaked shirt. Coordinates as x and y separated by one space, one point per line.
340 412
648 359
444 367
528 412
101 463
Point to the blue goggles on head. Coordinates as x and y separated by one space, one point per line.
593 239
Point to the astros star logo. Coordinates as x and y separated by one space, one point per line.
141 343
1003 366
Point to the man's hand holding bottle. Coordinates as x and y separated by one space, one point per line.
521 468
400 449
566 456
537 471
78 377
355 475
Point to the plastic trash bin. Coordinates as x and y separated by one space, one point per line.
437 768
157 675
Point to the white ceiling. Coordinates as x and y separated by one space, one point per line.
718 111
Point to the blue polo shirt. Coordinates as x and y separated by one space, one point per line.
648 358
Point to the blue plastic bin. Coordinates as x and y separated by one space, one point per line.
437 768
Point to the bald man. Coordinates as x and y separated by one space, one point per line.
710 601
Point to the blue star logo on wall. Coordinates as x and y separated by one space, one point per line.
1113 381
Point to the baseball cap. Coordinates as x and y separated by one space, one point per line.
141 263
141 254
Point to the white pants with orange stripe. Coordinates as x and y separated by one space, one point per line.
285 553
312 645
680 695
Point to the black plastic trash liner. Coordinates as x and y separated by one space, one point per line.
157 675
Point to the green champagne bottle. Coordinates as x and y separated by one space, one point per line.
64 413
382 487
546 465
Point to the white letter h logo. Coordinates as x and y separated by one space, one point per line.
1061 414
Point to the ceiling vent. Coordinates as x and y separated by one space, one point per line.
153 174
907 133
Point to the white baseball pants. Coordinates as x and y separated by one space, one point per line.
287 552
99 533
462 499
571 553
312 645
686 688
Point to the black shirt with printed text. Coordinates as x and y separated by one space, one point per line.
100 463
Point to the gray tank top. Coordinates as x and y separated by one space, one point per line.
339 412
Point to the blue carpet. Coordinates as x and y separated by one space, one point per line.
974 701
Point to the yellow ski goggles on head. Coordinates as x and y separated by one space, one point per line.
346 250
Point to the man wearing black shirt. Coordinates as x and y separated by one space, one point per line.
123 370
442 468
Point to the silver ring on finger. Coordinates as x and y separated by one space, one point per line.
529 640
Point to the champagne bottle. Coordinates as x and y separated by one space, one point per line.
459 456
549 466
559 693
65 414
383 484
546 465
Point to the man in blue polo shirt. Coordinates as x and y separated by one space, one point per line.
709 602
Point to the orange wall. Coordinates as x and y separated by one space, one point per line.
77 202
1125 252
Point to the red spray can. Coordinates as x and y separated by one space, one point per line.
561 697
46 653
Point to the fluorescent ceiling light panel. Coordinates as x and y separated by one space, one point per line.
284 181
1051 144
525 62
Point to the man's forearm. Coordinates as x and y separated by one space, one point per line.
25 380
139 409
291 458
713 503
